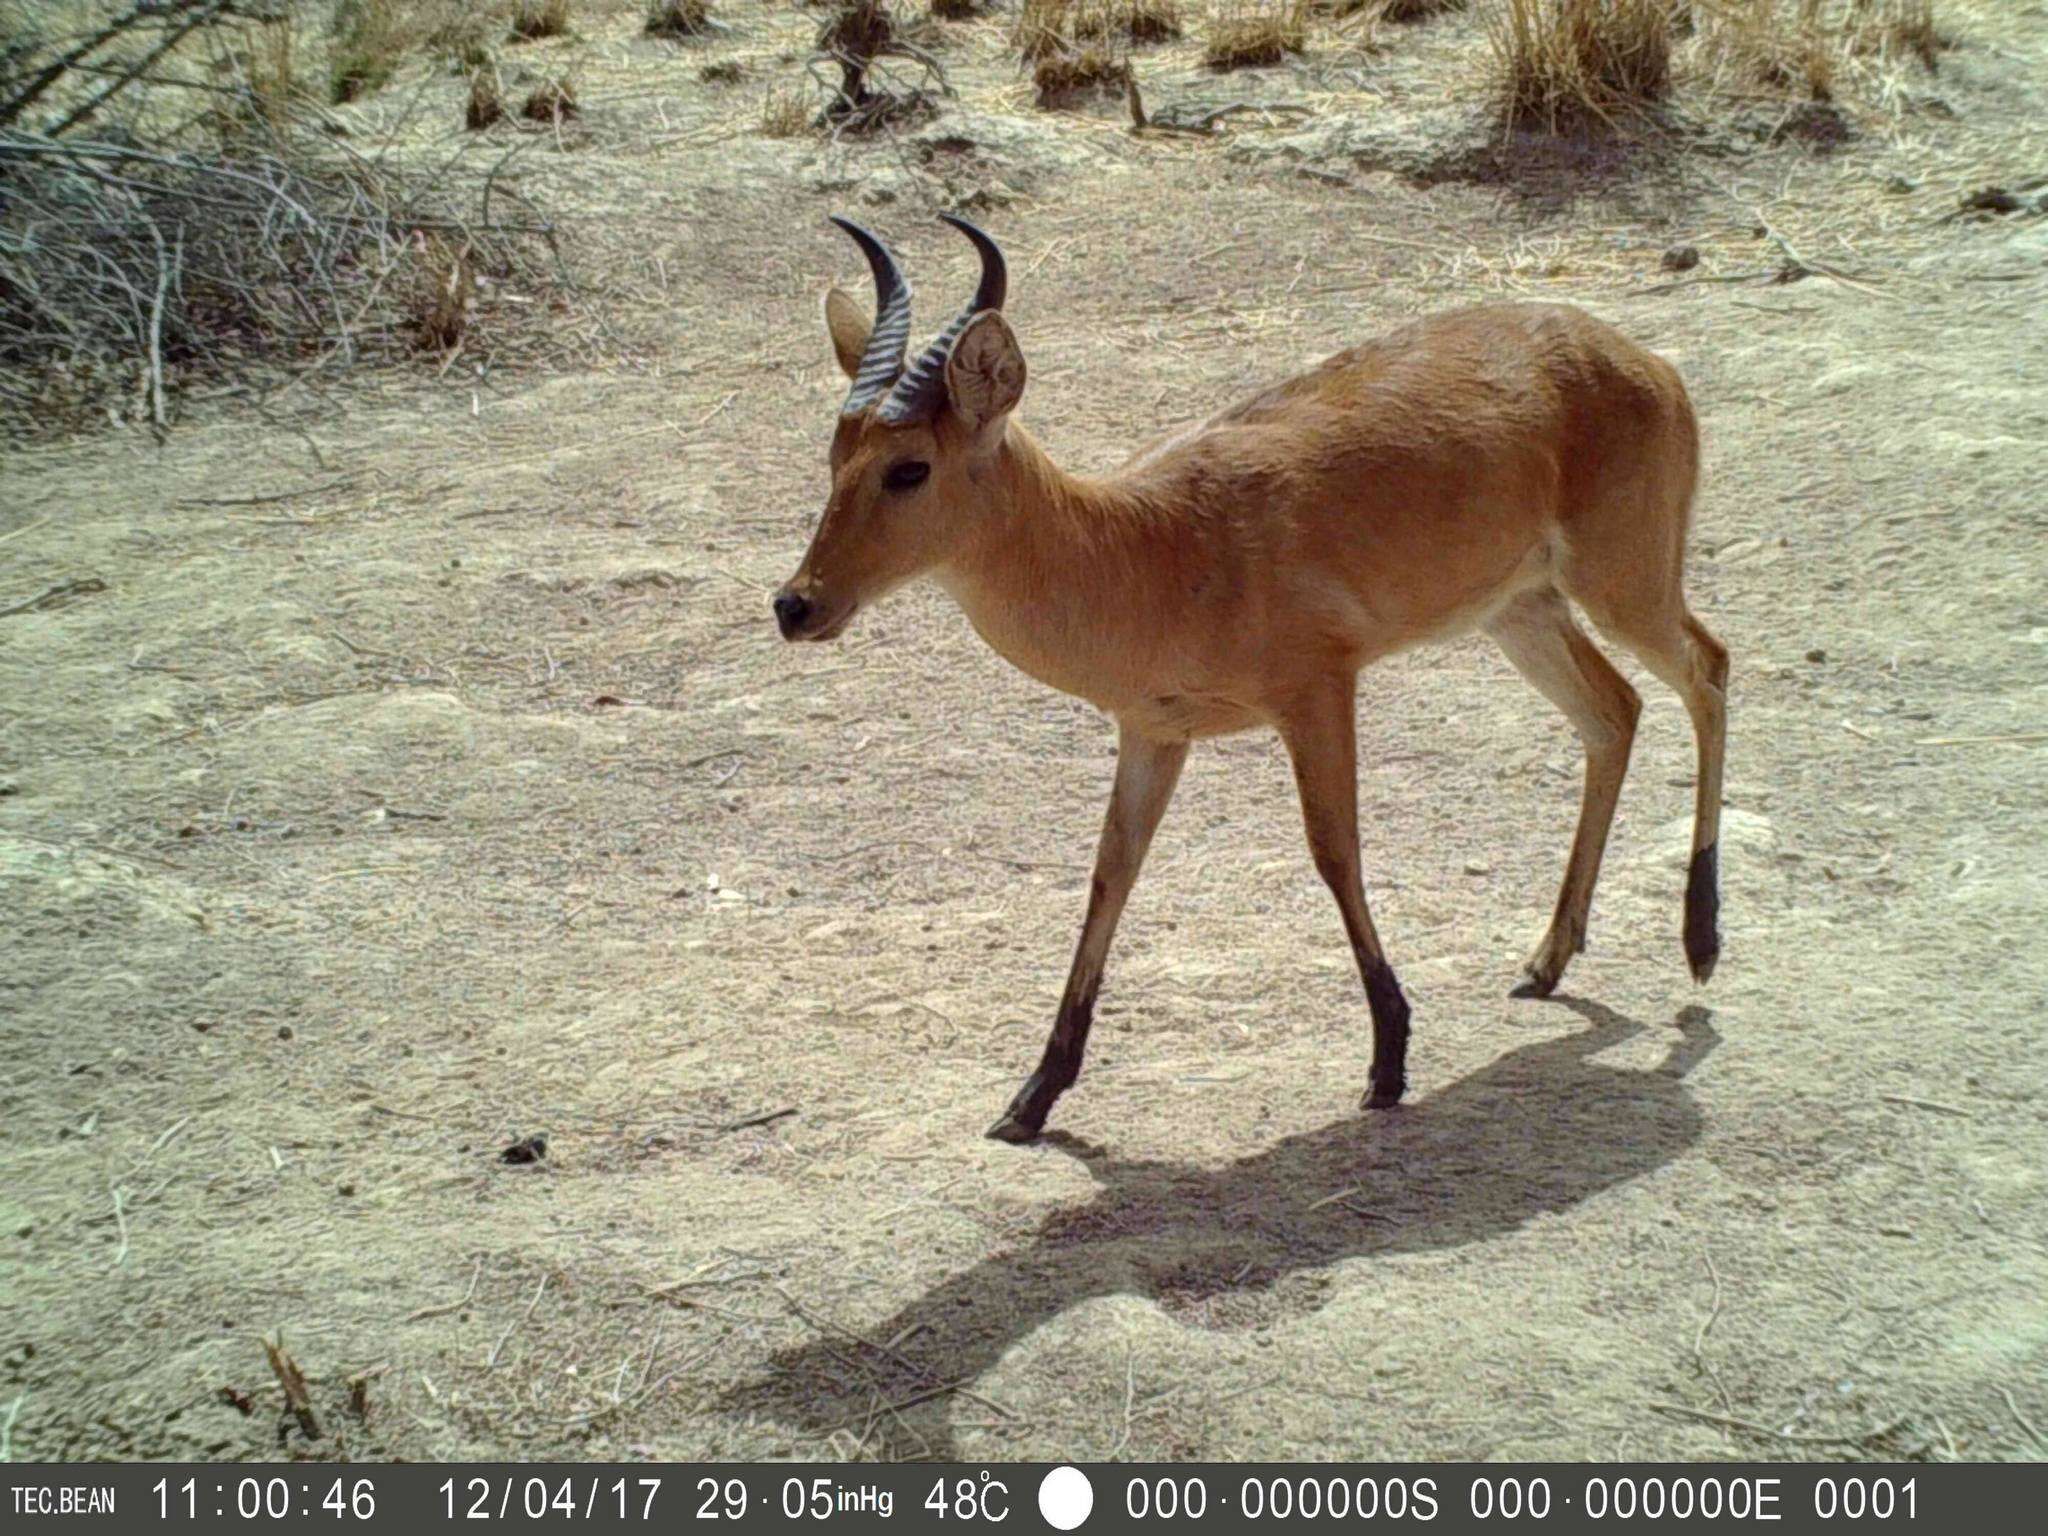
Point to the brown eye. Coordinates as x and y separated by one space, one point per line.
907 475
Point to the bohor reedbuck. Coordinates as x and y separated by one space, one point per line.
1485 468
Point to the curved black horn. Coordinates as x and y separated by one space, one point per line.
890 339
918 393
995 272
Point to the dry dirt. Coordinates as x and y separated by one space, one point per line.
426 773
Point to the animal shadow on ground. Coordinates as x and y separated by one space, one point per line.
1535 1132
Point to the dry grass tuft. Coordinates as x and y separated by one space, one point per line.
370 40
445 293
265 86
678 18
1048 27
1247 33
1148 21
1043 27
486 99
1414 10
1896 27
786 113
552 101
458 31
1804 45
533 20
1087 70
723 72
1569 62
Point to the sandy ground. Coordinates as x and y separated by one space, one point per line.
425 773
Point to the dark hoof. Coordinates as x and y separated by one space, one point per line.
1016 1132
1377 1097
1534 986
1703 913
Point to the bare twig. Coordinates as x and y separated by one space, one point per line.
1942 1109
453 1306
513 1327
293 1380
827 1325
57 68
49 596
769 1118
264 501
201 15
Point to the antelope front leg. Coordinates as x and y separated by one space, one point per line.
1146 772
1321 737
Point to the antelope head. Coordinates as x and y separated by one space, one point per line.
915 446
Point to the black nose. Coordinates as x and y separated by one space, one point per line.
790 613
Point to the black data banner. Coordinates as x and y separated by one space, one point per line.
1020 1497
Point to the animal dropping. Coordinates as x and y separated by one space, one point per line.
1486 469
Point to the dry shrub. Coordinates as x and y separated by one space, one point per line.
486 98
678 18
1567 62
552 101
1088 69
1414 10
856 34
533 20
957 10
884 75
785 113
1247 33
141 250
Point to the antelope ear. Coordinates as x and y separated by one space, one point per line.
985 371
848 327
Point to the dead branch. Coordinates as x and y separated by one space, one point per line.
293 1380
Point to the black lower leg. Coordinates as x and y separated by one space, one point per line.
1388 1079
1057 1071
1703 912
